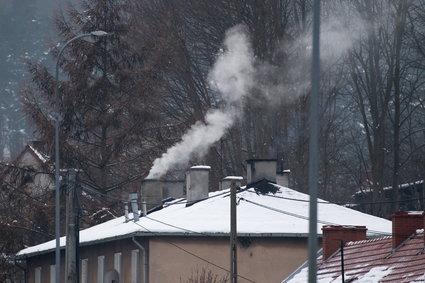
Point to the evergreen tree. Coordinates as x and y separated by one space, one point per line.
108 97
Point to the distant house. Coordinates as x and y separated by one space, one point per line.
412 196
349 257
32 169
182 237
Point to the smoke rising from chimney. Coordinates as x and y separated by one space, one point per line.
286 79
231 75
236 73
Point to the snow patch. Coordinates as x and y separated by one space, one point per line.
375 275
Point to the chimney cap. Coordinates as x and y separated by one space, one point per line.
200 167
408 213
233 178
401 214
343 227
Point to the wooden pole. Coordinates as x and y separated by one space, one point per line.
233 246
71 226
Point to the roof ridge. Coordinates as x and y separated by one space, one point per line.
371 240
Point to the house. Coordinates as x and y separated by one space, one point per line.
182 237
31 168
412 197
349 257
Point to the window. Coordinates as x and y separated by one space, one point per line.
117 262
53 273
37 274
134 266
84 270
100 268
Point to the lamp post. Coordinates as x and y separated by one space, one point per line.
97 33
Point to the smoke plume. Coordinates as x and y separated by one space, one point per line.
236 73
231 75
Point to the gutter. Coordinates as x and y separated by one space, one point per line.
145 259
147 234
21 268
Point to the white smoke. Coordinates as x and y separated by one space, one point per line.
341 29
232 76
233 72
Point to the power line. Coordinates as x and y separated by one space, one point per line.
195 255
28 169
341 203
94 192
305 217
266 207
174 226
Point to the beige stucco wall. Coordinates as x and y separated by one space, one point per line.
43 261
91 253
176 259
265 260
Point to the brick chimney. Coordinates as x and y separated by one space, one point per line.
334 234
258 169
405 223
197 183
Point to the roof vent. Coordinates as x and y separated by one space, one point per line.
334 234
134 206
405 223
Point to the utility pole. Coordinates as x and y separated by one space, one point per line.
313 163
71 230
342 261
233 246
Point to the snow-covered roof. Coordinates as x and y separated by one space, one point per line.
401 186
284 214
43 158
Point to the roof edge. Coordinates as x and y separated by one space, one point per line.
165 234
304 265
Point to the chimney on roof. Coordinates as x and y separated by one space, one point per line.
258 169
282 178
197 183
173 189
334 234
405 223
226 182
152 193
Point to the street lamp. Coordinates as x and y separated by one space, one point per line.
97 33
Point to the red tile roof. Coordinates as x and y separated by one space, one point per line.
404 264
